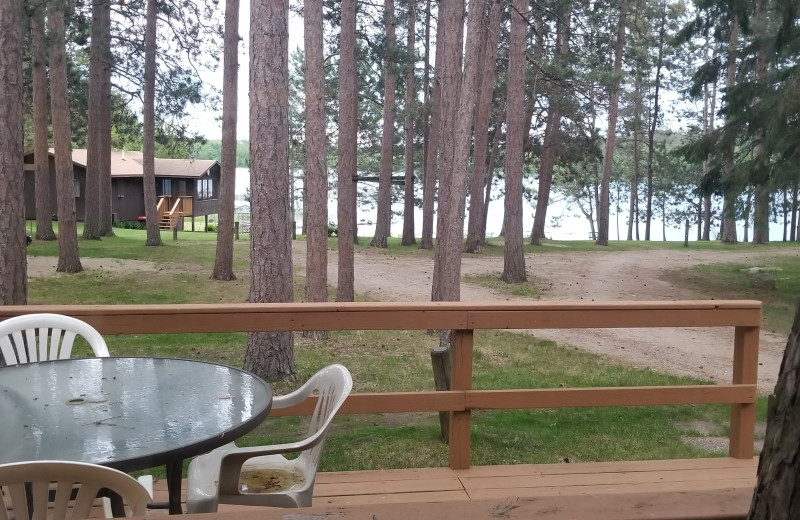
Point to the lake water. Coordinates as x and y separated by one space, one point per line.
563 222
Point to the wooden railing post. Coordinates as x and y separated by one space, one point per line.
461 379
745 371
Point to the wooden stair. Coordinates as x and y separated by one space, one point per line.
164 223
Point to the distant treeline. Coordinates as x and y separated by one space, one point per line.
213 150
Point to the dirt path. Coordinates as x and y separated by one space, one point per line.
594 276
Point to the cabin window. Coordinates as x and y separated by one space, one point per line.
205 189
166 186
76 188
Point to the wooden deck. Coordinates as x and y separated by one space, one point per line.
712 488
719 488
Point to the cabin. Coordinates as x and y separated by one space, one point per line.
184 187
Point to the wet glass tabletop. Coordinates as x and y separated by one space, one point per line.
128 413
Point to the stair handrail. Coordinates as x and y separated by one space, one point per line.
175 212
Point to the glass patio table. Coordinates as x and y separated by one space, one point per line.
128 413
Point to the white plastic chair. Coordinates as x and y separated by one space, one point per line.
43 336
260 475
76 486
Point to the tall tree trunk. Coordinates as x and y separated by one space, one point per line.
304 210
762 188
348 152
434 137
651 135
728 205
68 259
748 201
41 156
316 154
452 201
426 94
270 355
552 134
148 127
709 109
103 135
785 211
451 15
384 216
223 260
613 113
13 276
514 253
411 109
476 228
633 205
777 492
91 219
795 192
492 164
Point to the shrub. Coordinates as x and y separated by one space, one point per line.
127 224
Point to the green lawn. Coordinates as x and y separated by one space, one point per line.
391 361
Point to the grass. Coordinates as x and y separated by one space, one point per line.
494 247
734 280
393 361
527 289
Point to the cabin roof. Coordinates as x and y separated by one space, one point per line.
129 164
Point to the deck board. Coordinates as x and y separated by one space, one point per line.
665 489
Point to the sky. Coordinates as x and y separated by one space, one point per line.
209 123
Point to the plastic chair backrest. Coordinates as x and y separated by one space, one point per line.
331 385
40 477
43 336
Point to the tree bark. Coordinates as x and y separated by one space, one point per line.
316 154
654 122
613 113
707 236
223 260
793 225
148 127
103 137
452 201
777 492
762 189
13 273
433 140
476 227
492 164
552 133
728 210
91 220
514 254
633 206
68 258
348 153
384 214
411 109
41 156
270 355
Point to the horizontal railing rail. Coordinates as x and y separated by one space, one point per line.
464 318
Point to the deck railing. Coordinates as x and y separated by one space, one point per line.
744 317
